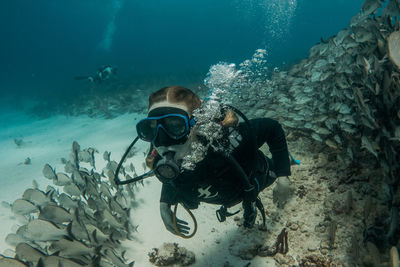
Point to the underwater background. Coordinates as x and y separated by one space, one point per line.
327 71
45 44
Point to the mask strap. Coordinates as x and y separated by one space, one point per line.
192 121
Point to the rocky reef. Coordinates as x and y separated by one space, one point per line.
344 99
345 95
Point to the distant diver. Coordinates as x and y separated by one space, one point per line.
103 73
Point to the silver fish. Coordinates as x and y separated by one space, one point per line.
69 167
84 156
67 202
62 179
9 262
51 261
104 188
55 214
116 207
23 207
36 196
78 179
78 230
40 230
116 260
106 156
72 190
75 147
14 239
98 236
35 184
48 172
73 248
91 189
28 253
365 143
108 218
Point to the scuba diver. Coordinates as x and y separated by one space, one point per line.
103 73
235 172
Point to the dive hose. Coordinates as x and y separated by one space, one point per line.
138 178
174 220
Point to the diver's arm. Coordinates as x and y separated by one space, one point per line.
168 194
270 131
179 228
169 198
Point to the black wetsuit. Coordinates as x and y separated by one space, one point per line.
215 181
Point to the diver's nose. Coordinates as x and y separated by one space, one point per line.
162 138
169 154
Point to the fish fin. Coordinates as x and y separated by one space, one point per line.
94 234
40 263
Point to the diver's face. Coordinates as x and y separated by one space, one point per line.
163 142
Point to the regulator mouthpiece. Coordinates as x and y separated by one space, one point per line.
167 169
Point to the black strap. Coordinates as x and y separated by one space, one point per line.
223 212
260 207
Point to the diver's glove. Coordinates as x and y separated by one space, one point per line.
167 217
249 207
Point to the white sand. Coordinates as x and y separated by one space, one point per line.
49 140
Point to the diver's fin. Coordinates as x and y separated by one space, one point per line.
293 161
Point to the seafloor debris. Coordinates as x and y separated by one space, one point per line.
246 245
171 254
281 246
19 142
82 226
301 191
28 161
318 261
332 234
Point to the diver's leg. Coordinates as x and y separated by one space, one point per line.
267 177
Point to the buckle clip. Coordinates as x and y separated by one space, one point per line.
223 212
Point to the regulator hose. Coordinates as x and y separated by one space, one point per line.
174 220
136 179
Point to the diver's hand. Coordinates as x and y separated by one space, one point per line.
250 213
167 217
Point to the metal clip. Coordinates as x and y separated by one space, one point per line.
222 213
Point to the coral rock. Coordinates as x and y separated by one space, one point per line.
171 253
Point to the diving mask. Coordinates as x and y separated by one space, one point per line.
172 122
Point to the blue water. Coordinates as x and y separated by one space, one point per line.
45 43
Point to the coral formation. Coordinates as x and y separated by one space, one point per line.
170 254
